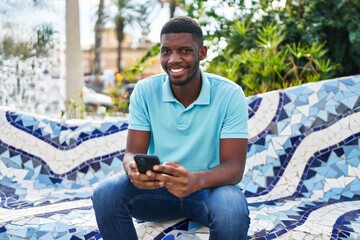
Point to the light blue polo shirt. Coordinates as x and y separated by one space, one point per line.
190 136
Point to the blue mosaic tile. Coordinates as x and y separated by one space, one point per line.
303 163
253 103
52 132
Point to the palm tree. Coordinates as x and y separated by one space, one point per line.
99 27
172 5
129 12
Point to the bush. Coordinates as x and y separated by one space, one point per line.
268 64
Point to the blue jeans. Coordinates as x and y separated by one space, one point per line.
116 200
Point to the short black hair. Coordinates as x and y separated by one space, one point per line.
184 24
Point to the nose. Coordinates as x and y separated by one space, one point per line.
174 58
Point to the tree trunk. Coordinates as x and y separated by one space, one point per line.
120 37
172 4
99 27
74 72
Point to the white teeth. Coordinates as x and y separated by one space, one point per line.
176 70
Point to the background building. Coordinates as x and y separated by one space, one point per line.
130 55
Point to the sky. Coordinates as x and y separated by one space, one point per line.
87 12
88 17
22 14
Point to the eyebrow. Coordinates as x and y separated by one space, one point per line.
182 47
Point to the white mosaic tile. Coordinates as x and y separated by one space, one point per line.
301 177
307 148
265 113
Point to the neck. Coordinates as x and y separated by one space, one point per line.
187 94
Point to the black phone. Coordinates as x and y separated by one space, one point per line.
146 162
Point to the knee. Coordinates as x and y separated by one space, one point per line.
229 205
228 213
99 193
108 193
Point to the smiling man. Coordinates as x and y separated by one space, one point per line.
196 123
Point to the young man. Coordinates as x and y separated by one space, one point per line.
197 124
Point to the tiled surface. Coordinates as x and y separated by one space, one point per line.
302 177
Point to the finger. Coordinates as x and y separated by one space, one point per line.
163 177
133 166
146 180
169 169
172 164
150 174
133 174
148 184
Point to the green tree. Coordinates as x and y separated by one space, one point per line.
269 65
304 33
99 28
334 23
12 47
128 13
173 4
38 44
23 38
337 23
43 39
132 72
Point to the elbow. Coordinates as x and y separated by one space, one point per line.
236 177
237 180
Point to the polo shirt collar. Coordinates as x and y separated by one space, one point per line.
203 99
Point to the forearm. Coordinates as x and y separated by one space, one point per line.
224 174
231 167
137 142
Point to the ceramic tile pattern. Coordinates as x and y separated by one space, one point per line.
302 176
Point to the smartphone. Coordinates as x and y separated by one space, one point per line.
146 162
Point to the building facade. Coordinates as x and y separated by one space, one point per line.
131 54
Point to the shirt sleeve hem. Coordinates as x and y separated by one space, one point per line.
139 127
234 135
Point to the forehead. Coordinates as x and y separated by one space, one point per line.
177 39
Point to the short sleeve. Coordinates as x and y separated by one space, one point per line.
138 110
235 123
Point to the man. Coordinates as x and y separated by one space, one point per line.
197 124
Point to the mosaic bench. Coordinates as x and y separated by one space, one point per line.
302 177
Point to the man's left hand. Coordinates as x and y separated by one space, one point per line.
178 180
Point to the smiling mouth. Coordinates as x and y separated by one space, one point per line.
176 69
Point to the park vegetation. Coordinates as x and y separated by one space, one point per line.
269 45
262 45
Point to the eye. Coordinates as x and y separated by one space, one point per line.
164 52
185 51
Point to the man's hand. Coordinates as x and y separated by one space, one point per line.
143 181
178 180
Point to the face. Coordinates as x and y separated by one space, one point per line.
180 56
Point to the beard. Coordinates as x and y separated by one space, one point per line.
184 82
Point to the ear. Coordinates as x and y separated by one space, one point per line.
203 52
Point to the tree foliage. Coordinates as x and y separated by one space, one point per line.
336 23
38 44
129 13
21 37
269 45
269 64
